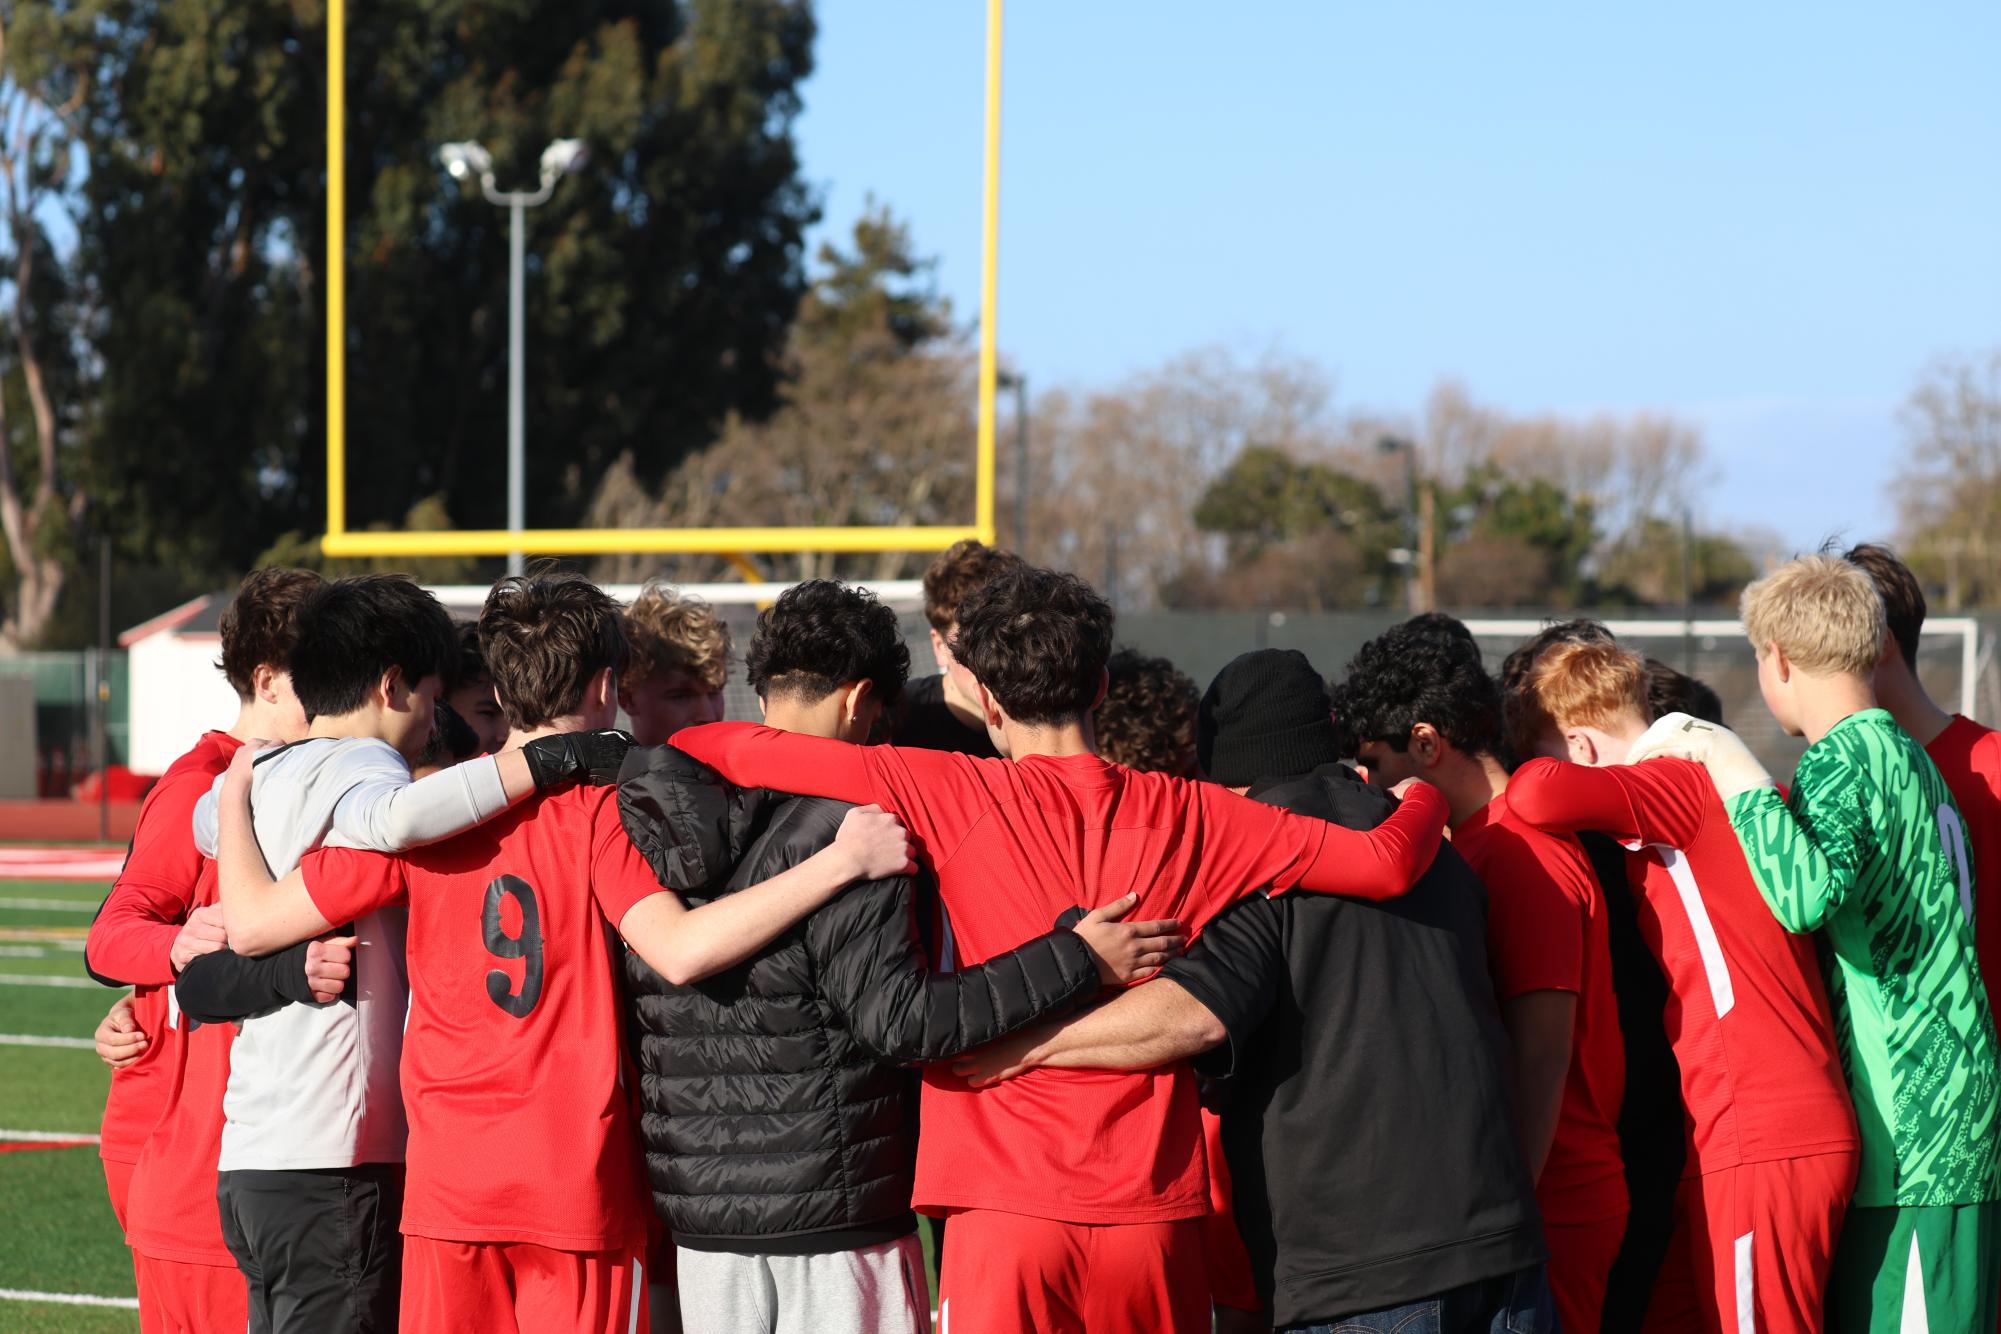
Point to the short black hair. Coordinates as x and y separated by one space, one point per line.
1038 640
472 669
352 631
820 635
1441 623
1670 691
1903 596
1412 674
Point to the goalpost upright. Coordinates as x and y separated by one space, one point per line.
728 542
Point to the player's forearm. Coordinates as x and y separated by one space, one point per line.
1568 798
750 755
685 947
223 986
1154 1024
390 816
261 916
1541 1027
1383 862
128 944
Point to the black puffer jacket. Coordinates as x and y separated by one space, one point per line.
772 1123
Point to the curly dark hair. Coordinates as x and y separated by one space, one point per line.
261 623
1412 674
1147 718
820 635
1038 640
1440 623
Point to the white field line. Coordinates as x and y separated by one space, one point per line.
30 980
45 1137
68 1298
36 1040
48 905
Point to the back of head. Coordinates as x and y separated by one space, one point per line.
471 669
1903 596
1670 691
260 626
962 567
1147 718
1441 624
1515 667
353 631
1824 614
1580 684
822 635
1410 675
545 637
670 631
1266 715
1038 641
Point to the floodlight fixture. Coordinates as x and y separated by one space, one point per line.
563 157
465 159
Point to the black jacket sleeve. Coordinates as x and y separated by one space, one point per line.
872 968
1234 969
224 985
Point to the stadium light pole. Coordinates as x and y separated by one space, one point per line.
1018 382
465 160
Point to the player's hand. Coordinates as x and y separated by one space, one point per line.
329 964
1128 951
876 843
576 757
120 1041
201 934
1009 1058
1731 765
1403 789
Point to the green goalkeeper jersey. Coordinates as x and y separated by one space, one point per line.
1870 852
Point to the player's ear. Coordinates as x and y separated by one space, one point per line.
1580 747
1104 688
1423 746
855 697
1781 663
264 682
603 688
390 690
989 708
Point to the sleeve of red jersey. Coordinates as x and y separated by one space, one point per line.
1247 845
1657 801
349 883
1538 902
132 939
620 874
937 794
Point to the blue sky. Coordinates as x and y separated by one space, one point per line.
1765 218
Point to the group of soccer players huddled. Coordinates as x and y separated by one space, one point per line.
1432 1000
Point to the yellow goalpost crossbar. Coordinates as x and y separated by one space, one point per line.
731 542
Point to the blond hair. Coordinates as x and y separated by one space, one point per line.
672 632
1825 615
1578 684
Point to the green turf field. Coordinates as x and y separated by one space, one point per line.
61 1236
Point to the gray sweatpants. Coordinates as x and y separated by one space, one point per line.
878 1289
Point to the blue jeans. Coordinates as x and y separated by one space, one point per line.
1512 1304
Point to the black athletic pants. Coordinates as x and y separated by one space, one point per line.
320 1251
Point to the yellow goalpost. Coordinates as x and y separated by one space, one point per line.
731 542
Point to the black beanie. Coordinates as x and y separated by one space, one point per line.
1267 715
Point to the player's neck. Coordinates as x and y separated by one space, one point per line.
1826 701
967 711
821 718
519 737
1057 741
1899 691
366 721
1469 784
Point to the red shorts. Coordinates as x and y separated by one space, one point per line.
450 1286
176 1298
1580 1260
118 1184
1009 1272
1752 1246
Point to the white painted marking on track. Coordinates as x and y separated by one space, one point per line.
52 980
46 1137
48 905
68 1298
37 1040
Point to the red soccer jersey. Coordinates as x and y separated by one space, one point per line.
173 1213
1747 1010
1014 845
1968 757
1546 932
132 939
521 1127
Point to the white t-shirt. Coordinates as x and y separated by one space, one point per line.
315 1086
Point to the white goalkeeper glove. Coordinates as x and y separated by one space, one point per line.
1731 765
